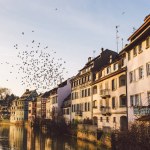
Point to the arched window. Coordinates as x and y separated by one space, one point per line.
95 90
122 80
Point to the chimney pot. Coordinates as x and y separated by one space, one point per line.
89 59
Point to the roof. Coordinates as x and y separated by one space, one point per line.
100 61
63 84
46 94
141 28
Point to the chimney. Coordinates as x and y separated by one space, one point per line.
89 59
102 49
110 58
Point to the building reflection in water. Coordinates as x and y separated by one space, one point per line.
25 138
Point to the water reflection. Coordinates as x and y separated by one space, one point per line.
21 138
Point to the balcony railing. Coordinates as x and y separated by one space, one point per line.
105 110
78 113
105 93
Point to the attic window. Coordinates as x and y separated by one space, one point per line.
108 70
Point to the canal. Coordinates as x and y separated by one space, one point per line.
25 138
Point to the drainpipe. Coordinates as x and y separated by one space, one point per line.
127 97
92 97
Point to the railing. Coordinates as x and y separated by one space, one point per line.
105 110
78 113
105 93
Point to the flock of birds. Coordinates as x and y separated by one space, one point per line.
38 66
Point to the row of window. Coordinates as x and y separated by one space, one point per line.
116 66
66 111
139 73
81 107
138 49
81 81
122 102
107 119
135 100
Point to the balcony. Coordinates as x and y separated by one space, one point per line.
105 110
105 93
78 113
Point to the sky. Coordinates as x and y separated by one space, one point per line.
72 28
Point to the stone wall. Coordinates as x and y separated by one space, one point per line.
87 132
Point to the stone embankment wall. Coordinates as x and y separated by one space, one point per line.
87 132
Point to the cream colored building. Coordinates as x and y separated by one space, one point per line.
109 95
138 71
82 92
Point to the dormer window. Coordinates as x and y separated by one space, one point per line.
108 70
115 66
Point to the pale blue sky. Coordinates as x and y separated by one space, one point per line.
73 28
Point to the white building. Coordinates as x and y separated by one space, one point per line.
55 100
138 71
66 109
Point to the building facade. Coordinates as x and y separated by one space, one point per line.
138 71
109 96
82 92
19 108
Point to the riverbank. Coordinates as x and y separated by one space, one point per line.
83 132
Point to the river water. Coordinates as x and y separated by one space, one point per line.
25 138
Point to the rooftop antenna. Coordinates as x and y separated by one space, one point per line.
94 53
133 29
122 42
117 37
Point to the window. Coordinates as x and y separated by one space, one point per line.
122 80
114 84
129 55
148 68
113 103
122 101
131 101
137 99
85 92
147 42
89 92
114 119
115 66
85 106
95 104
140 47
82 94
108 70
131 76
101 119
141 72
95 90
88 106
107 119
134 51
